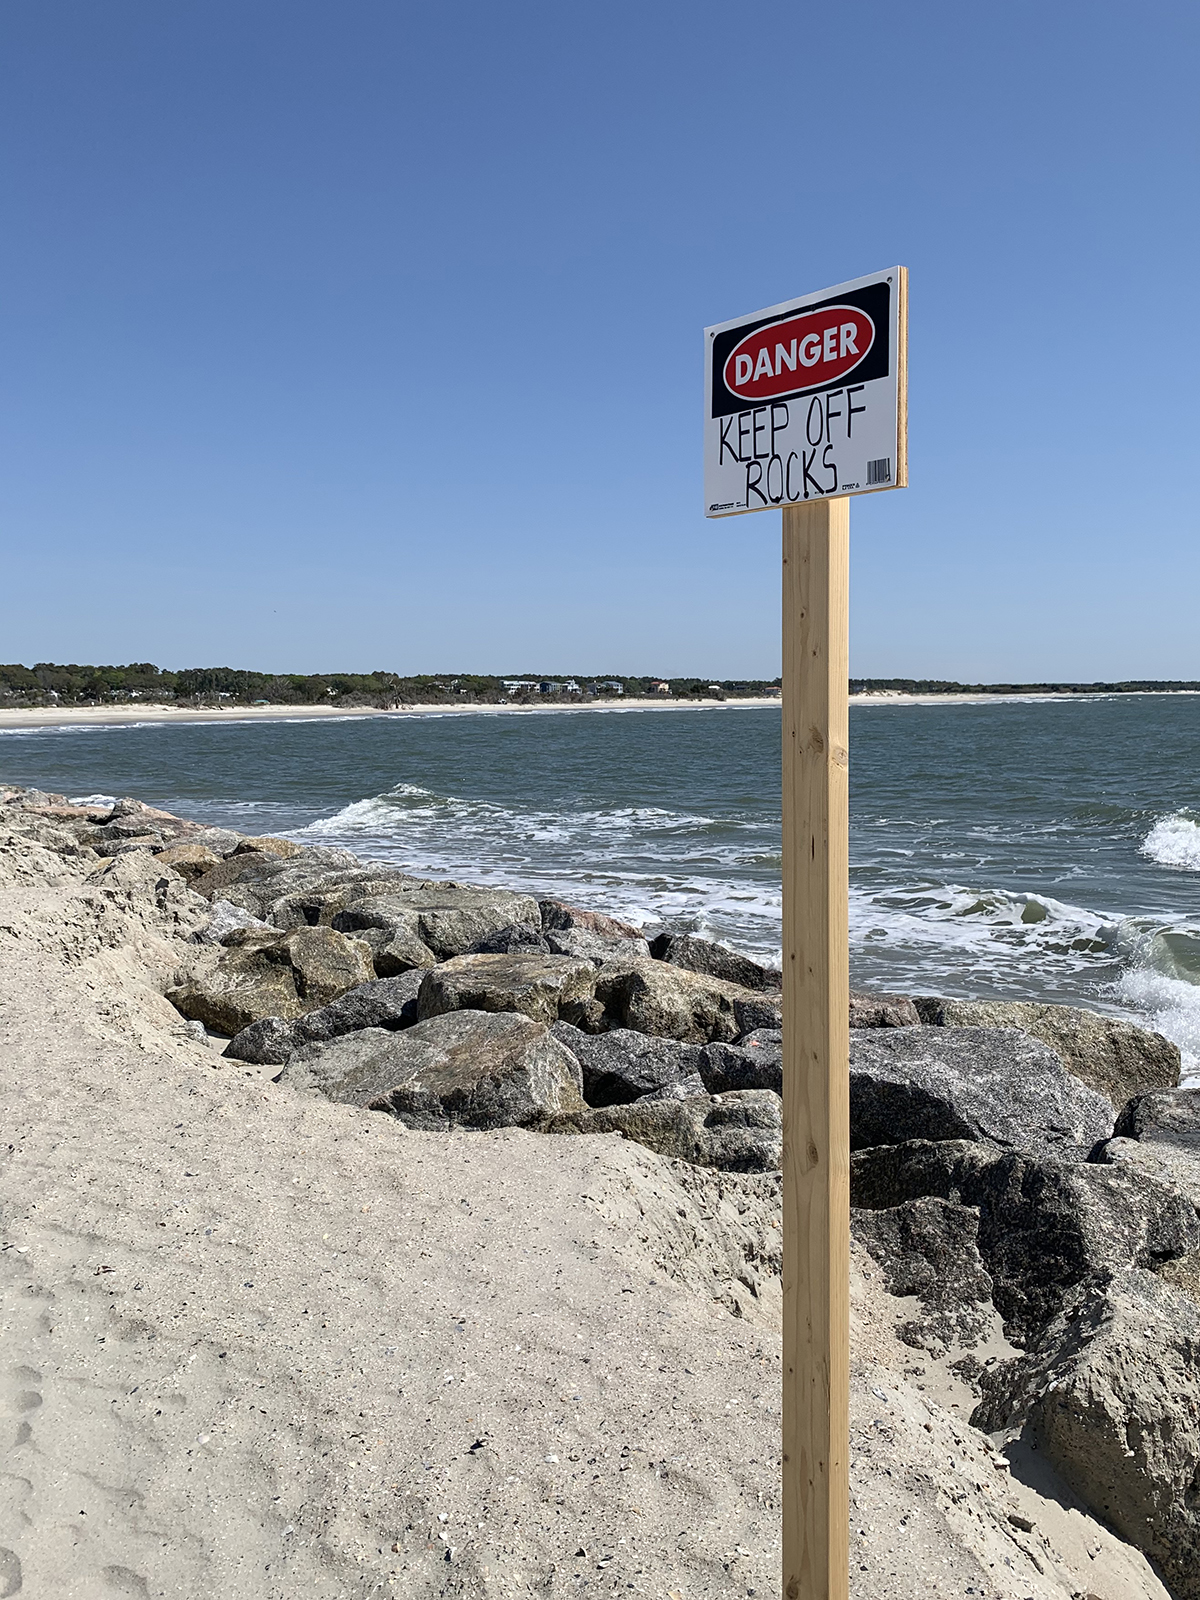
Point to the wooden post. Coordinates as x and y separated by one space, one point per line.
816 1044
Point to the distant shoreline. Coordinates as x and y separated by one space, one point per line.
30 718
125 715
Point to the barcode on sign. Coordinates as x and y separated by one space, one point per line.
879 471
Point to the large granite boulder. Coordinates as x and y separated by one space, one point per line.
622 1066
671 1002
269 973
472 1069
568 931
227 919
715 961
538 986
253 879
382 1003
1045 1225
390 927
929 1249
873 1010
754 1062
518 938
190 861
323 895
734 1132
1109 1398
1160 1134
1113 1057
996 1084
756 1013
445 919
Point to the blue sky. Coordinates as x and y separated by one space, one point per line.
355 335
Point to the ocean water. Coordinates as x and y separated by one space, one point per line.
1020 849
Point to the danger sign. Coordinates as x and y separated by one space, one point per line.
807 400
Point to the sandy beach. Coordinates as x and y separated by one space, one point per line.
113 716
128 715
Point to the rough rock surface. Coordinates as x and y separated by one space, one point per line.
452 917
929 1248
622 1066
390 927
969 1083
570 931
715 961
754 1062
1115 1058
671 1002
1160 1134
381 1003
189 860
512 940
268 973
538 986
473 1069
1110 1396
871 1010
226 919
1045 1226
740 1132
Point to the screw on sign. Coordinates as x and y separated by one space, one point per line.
805 404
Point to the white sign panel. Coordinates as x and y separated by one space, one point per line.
808 399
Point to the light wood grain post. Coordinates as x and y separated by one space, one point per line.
816 1083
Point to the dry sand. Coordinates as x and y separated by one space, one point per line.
125 715
256 1346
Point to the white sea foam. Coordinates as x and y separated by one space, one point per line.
1169 1005
1174 841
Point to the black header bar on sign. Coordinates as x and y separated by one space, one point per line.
875 300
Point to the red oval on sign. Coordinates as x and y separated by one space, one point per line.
800 352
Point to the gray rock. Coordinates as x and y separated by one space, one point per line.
382 1003
227 919
682 1089
869 1010
535 985
754 1015
1170 1118
1160 1134
756 1062
472 1069
929 1248
324 894
622 1066
702 955
259 877
1115 1058
1045 1225
735 1132
448 919
268 973
590 935
392 930
671 1002
1109 1398
969 1083
516 938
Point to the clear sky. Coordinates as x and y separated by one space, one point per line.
358 334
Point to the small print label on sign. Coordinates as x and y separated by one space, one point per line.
807 400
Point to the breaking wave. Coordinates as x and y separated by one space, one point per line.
1174 841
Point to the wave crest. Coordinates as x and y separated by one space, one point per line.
1174 841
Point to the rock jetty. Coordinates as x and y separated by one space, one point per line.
572 1132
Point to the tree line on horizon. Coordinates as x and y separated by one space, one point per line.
49 683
